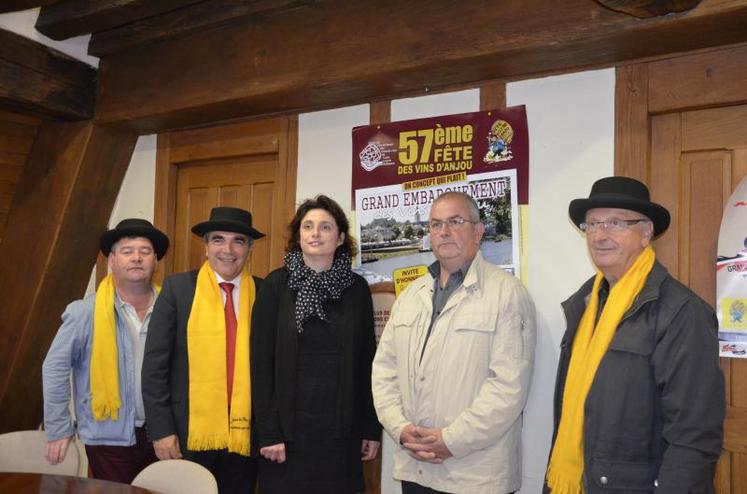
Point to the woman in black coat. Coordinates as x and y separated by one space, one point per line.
312 344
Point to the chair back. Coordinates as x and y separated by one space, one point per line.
177 477
23 451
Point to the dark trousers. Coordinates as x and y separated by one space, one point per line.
235 474
413 488
121 463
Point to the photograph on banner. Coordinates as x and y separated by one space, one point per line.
731 276
392 224
399 169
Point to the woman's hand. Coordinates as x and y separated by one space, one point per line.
369 449
276 452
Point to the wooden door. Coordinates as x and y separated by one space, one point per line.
692 159
249 165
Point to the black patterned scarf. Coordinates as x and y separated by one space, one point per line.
314 289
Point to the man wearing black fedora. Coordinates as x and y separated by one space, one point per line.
196 378
639 396
100 343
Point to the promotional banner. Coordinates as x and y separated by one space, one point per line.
400 168
731 276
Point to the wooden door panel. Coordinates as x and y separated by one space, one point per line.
705 185
715 128
664 182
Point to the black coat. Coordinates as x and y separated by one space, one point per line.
274 345
653 416
165 374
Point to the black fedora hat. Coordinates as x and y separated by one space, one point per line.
620 193
227 219
135 227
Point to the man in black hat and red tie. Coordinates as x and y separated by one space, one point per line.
100 344
196 381
639 396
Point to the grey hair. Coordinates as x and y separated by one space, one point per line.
206 238
474 209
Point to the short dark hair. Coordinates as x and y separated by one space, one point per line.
334 209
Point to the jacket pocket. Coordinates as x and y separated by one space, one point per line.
621 475
633 339
405 318
464 321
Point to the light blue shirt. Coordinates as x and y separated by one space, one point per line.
70 353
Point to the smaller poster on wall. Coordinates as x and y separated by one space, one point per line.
400 168
731 276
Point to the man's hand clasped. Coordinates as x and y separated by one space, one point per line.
424 444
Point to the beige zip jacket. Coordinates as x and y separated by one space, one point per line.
472 382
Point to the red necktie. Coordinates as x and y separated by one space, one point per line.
231 326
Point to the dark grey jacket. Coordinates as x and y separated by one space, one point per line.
654 413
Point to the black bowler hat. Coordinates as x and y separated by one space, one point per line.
135 227
227 219
620 193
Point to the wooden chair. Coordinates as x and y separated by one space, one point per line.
177 477
23 451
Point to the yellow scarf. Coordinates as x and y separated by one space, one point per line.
104 372
589 346
209 425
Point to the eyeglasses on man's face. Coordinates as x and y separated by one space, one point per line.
613 225
452 223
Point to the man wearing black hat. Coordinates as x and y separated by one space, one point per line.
101 343
639 396
196 382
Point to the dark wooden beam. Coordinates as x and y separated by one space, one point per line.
16 5
649 8
62 204
207 14
40 80
342 52
70 18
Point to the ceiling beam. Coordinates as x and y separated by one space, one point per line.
16 5
70 18
182 21
40 80
63 201
342 52
649 8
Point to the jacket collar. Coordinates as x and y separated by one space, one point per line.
472 281
575 305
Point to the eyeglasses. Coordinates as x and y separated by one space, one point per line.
614 225
452 223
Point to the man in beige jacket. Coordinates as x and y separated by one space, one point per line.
452 371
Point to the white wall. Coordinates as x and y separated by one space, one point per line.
325 151
23 23
136 198
571 143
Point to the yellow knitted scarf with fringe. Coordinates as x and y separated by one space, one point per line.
104 371
564 473
210 426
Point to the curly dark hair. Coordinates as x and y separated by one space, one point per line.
329 205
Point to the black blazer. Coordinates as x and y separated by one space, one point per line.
274 343
165 374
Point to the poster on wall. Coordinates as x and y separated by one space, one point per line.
400 168
731 276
